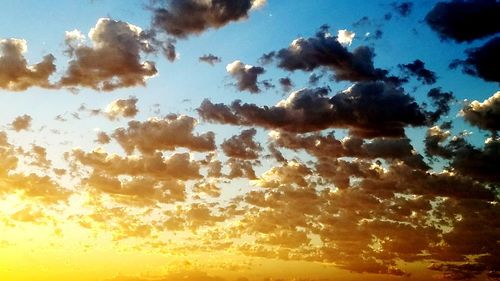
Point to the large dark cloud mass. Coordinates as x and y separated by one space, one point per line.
465 20
368 109
323 50
203 15
482 61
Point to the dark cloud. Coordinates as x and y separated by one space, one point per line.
267 58
242 146
367 109
482 61
434 140
114 59
245 75
364 21
169 50
210 59
481 164
314 78
324 50
203 15
465 20
15 72
286 84
328 146
486 114
403 8
417 69
441 101
464 158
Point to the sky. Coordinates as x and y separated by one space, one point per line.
249 140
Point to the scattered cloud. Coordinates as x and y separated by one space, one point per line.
246 76
15 72
204 15
210 59
112 61
21 123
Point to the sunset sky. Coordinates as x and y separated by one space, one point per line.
249 140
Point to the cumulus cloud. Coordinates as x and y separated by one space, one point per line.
246 76
482 61
210 59
15 72
327 146
242 146
122 108
21 123
325 50
345 37
286 84
203 15
465 21
367 109
486 114
417 69
168 133
112 61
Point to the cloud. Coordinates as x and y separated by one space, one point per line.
210 59
208 187
21 123
465 21
245 75
204 15
441 101
464 158
27 185
15 72
484 115
434 139
328 146
103 138
324 50
122 108
286 84
367 109
345 37
112 61
177 166
163 134
482 61
240 168
242 146
417 69
403 8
